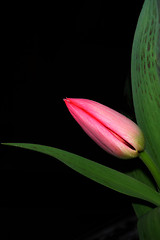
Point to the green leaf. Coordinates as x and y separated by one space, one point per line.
149 225
140 207
145 70
99 173
145 73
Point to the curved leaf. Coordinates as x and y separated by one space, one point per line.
141 208
145 70
149 225
97 172
145 73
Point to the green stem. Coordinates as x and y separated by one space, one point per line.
155 171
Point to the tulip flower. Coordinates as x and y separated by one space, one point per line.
111 130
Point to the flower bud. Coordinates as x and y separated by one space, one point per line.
111 130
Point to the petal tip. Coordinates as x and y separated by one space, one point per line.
66 99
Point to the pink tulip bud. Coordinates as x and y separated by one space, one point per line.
112 131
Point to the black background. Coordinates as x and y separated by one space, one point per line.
53 51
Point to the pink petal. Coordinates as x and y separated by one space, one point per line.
112 119
97 120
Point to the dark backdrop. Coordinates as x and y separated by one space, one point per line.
54 51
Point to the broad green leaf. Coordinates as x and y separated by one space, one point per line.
141 208
145 73
149 225
106 176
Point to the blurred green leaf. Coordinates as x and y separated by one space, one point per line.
106 176
145 73
149 225
142 208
